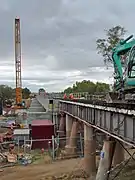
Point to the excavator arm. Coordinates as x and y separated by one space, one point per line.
121 49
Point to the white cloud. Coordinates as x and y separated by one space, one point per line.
36 77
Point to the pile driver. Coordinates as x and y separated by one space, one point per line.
18 90
123 56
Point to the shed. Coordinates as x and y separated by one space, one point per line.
21 135
42 131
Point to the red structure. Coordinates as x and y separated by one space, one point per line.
65 96
71 96
42 129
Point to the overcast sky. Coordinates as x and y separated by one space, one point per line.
58 39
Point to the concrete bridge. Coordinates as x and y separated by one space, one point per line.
116 124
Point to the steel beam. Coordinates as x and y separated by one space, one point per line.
118 123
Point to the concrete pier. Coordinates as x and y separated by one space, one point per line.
69 122
62 129
71 147
106 158
62 125
89 151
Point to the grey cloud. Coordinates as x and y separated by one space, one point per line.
60 35
33 77
65 31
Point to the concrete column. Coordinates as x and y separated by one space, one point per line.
61 130
89 151
105 160
118 154
62 124
71 147
69 122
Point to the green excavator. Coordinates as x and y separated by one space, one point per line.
123 57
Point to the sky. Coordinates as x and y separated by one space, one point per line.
58 40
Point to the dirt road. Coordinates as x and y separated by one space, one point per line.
42 171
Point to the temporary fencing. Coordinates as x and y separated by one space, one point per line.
38 149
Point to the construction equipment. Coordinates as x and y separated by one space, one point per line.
18 64
123 57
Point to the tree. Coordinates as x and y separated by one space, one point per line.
102 87
68 90
105 46
88 86
6 92
41 89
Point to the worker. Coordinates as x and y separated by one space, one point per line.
65 96
71 96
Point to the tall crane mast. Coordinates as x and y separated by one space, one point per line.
18 62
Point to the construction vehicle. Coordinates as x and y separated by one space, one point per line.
123 56
19 104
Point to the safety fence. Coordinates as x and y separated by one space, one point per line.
25 151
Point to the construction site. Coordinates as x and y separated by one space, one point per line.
74 135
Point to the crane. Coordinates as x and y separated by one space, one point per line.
18 64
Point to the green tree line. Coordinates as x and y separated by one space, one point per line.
88 86
6 92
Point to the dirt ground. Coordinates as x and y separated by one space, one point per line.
41 171
48 170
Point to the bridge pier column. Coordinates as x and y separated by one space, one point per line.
62 124
71 147
118 154
106 158
89 151
69 122
61 129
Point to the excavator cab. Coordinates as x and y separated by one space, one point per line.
130 80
